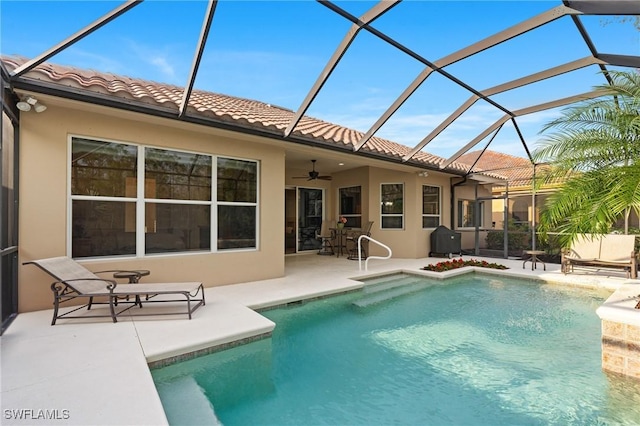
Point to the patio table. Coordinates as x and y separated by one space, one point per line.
533 258
133 277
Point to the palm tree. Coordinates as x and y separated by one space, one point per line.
595 150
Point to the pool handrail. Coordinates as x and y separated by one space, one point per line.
366 262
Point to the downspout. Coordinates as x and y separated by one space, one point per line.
476 220
453 199
505 231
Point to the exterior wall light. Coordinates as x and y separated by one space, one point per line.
30 102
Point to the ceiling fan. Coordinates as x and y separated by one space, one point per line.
313 175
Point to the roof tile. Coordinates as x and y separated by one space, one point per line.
227 108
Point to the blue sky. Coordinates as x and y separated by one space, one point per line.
273 51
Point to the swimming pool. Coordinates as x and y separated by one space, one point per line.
471 350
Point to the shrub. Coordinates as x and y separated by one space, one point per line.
519 237
460 263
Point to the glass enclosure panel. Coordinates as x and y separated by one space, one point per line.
177 175
237 180
103 168
9 293
236 227
8 235
8 221
177 227
519 207
309 218
103 228
351 206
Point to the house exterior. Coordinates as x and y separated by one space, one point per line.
519 174
112 175
517 194
517 203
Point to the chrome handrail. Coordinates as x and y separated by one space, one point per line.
366 262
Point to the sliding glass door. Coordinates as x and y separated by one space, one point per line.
310 210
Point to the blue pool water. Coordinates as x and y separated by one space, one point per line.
475 350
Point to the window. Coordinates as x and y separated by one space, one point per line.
170 209
103 198
430 206
177 195
351 206
237 203
467 217
392 205
310 213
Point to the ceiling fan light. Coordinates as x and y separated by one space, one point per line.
313 174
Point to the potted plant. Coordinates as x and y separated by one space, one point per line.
341 222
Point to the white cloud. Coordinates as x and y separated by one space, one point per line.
163 65
160 58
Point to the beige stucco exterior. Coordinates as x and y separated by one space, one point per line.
44 199
44 169
410 242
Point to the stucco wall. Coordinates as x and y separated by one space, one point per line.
411 242
44 168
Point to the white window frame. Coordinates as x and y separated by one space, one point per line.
141 201
439 215
355 215
400 215
214 210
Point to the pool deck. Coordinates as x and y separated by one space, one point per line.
95 372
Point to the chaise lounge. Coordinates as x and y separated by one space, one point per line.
602 251
74 281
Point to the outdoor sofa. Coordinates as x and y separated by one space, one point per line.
74 281
602 251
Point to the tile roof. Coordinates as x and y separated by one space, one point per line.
221 108
517 170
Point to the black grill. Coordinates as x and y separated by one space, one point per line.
445 242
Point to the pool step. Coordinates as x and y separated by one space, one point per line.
387 283
186 403
391 293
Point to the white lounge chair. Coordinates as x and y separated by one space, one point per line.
74 281
602 251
